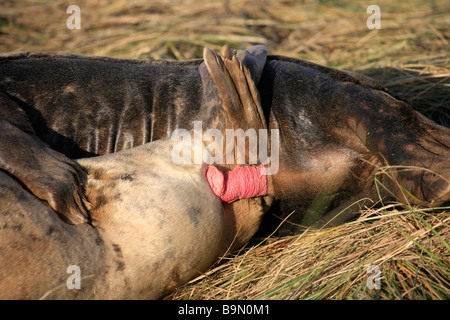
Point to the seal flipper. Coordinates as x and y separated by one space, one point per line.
231 101
235 75
44 172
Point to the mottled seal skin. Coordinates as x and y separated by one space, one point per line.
37 247
161 219
64 96
153 223
336 128
154 226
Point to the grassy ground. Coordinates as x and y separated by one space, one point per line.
410 248
409 55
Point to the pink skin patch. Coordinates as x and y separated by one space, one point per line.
409 147
240 183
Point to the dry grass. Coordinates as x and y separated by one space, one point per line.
410 247
409 55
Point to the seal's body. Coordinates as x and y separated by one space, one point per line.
336 128
153 223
